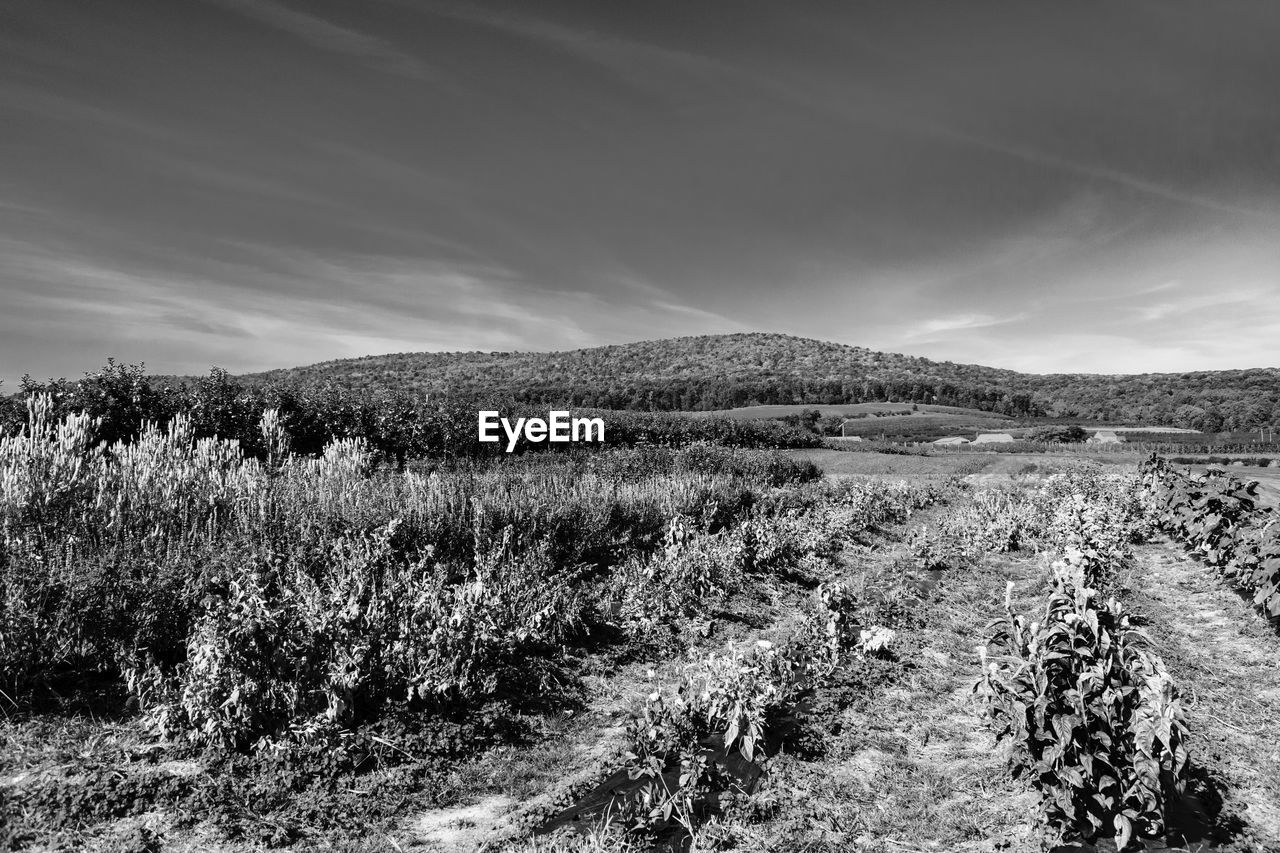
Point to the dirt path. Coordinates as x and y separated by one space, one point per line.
911 764
1225 659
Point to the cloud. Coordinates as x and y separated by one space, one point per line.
1200 303
957 323
642 64
865 105
325 35
1172 284
292 308
79 111
1118 177
1200 332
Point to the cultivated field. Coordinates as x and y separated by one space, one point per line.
627 649
854 410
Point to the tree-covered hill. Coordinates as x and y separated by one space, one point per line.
727 371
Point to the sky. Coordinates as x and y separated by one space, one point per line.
1048 187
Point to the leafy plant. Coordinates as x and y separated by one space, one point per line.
1217 517
1090 716
1087 712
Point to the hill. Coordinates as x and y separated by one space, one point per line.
717 372
691 374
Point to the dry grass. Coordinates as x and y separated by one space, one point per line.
914 765
839 463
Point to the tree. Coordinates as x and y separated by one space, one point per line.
1067 434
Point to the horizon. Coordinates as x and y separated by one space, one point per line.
261 184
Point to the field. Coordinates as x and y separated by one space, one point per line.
1268 479
697 648
897 421
925 426
854 410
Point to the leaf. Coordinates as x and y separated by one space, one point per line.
1072 775
731 734
1124 832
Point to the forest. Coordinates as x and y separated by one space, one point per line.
712 372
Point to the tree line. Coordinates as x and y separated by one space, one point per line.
713 372
398 425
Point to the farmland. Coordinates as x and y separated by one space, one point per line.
857 410
716 647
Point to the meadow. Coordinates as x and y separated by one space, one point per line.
692 647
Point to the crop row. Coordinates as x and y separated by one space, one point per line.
704 742
699 746
1217 518
1087 711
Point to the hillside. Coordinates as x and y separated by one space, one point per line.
731 371
691 373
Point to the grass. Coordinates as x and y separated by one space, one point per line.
836 463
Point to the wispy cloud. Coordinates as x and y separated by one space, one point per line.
1200 303
957 323
1162 287
864 106
297 308
326 35
1111 175
43 102
642 64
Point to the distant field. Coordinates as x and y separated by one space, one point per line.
1268 479
930 424
839 463
896 421
1154 429
850 410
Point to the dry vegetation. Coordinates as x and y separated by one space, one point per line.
628 649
